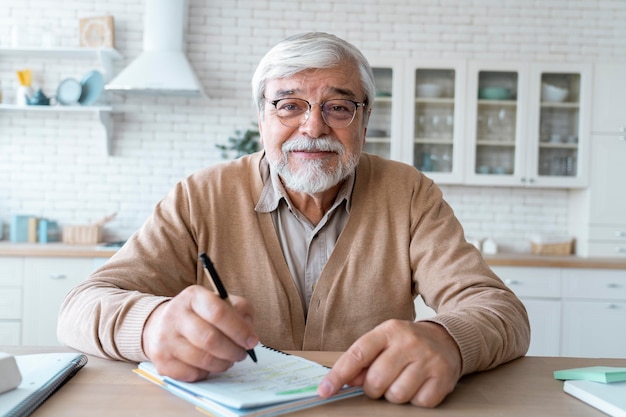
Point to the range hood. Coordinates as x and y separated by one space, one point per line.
162 68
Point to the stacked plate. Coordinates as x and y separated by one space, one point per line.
71 92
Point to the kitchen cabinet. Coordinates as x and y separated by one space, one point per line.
607 222
32 289
105 56
539 289
521 130
11 282
418 116
484 123
384 130
572 311
594 313
496 131
46 282
435 118
599 213
609 100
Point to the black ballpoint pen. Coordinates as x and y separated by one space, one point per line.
218 286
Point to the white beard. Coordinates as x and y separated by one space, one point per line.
314 176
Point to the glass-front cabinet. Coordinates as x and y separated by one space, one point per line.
484 123
560 122
384 136
435 119
497 128
528 124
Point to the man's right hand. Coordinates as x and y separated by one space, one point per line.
197 332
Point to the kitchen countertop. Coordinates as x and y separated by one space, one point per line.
56 250
503 259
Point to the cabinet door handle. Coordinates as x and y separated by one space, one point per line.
620 250
613 285
57 276
620 233
613 307
511 282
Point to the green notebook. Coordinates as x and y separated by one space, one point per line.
604 374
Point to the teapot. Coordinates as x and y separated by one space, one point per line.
38 99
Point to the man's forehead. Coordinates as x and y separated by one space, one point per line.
315 81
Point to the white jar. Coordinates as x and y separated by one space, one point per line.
21 93
490 247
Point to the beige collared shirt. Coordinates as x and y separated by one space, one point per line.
306 246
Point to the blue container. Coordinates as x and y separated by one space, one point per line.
19 228
48 231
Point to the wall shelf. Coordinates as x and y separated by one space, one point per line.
104 114
106 56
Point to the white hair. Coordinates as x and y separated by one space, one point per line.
313 50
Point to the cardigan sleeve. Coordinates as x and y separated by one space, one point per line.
105 314
487 321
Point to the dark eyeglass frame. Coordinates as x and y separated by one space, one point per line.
304 117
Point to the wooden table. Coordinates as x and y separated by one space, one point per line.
524 387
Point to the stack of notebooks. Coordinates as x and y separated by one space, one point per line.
603 387
279 383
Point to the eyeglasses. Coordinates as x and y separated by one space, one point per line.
337 113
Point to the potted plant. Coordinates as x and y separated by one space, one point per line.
243 142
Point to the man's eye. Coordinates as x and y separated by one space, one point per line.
290 106
338 108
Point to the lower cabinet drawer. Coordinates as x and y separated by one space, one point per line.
595 284
10 332
531 281
10 303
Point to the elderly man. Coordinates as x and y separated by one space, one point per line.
322 247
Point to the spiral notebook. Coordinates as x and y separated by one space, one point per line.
42 375
279 383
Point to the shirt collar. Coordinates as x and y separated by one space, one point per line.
274 191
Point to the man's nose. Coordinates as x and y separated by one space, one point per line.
315 126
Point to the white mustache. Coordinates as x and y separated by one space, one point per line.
302 143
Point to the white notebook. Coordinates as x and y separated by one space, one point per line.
42 375
609 398
279 383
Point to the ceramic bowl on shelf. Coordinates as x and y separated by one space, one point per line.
553 93
494 93
429 90
92 85
69 92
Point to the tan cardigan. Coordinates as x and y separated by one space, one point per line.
401 240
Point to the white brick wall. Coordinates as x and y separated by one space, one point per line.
53 165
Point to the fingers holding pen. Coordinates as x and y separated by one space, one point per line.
197 332
233 320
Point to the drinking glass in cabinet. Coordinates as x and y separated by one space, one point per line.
433 157
559 122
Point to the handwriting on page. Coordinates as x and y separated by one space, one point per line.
290 375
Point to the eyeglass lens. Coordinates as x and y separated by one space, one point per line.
294 112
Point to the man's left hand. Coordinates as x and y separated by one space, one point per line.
403 361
